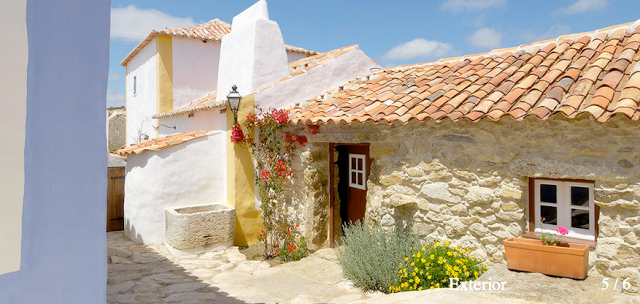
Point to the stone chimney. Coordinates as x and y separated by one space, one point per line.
253 55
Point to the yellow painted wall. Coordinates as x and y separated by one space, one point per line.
240 181
164 70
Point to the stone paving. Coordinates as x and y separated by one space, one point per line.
150 274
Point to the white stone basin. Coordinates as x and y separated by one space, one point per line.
199 228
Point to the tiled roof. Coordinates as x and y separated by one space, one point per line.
595 73
202 104
213 30
296 68
162 143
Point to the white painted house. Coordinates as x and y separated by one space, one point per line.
53 177
177 83
169 70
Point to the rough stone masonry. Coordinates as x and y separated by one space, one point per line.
468 182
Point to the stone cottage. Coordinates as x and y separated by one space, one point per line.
476 149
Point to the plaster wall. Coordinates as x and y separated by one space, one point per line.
193 173
63 252
308 85
253 55
291 56
13 76
195 69
201 121
468 182
142 105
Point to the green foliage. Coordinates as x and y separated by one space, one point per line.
294 250
433 265
370 257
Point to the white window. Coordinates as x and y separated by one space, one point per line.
135 85
565 203
357 171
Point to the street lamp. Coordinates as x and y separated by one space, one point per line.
234 103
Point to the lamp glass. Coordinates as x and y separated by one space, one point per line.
234 99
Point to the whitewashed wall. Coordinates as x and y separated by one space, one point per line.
195 69
192 173
142 105
291 56
308 85
253 55
63 252
201 121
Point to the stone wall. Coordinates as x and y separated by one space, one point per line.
116 132
468 182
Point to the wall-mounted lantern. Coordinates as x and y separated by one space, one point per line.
233 99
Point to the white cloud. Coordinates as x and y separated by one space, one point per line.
420 49
457 6
115 98
486 38
134 24
582 6
555 31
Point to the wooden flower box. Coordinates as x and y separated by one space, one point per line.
530 255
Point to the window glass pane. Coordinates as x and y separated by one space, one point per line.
360 164
353 178
548 193
580 196
360 182
549 214
580 218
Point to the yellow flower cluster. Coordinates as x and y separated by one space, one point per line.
433 265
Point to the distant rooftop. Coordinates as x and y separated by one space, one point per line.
213 30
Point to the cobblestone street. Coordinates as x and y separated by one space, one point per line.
150 274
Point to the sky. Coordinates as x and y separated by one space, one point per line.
392 32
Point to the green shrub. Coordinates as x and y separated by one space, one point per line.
370 257
433 265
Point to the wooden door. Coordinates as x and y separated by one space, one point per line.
115 199
358 168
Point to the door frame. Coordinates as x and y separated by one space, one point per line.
332 193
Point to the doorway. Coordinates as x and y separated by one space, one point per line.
348 185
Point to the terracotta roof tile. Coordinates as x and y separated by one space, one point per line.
213 30
202 104
596 74
165 142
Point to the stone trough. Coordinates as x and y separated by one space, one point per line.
199 228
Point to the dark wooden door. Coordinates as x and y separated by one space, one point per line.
115 199
358 168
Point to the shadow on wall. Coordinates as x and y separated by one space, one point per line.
138 274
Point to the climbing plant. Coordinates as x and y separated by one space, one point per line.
273 152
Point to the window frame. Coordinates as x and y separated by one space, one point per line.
563 198
363 158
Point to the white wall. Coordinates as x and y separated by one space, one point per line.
13 77
143 105
63 254
201 121
318 80
291 56
188 174
195 69
253 55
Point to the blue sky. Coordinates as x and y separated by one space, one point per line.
391 32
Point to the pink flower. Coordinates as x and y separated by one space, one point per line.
562 230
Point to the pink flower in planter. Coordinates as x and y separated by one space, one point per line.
562 230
